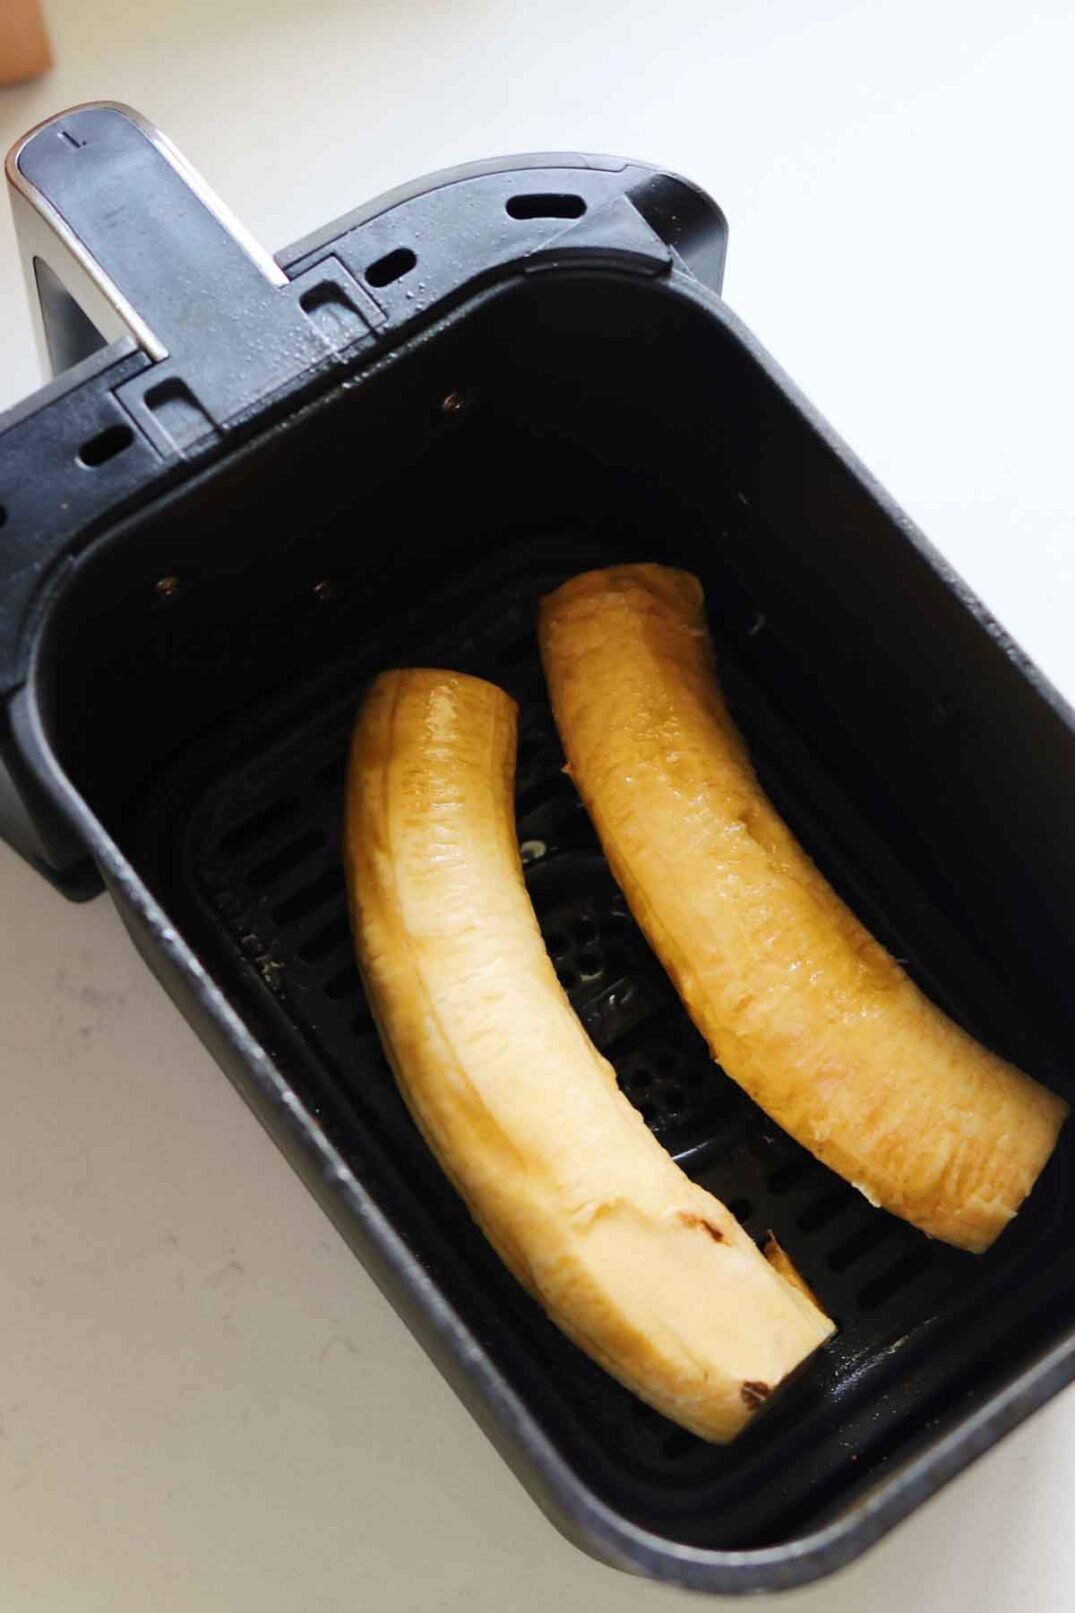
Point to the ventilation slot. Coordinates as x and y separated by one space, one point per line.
897 1277
309 900
859 1244
542 205
825 1209
288 857
789 1175
255 828
105 446
393 266
326 941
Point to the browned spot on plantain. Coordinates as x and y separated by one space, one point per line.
754 1393
707 1226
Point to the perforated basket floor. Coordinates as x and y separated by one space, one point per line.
256 883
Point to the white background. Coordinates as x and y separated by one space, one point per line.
204 1404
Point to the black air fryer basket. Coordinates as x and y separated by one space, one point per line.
255 483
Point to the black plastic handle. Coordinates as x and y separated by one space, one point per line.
143 247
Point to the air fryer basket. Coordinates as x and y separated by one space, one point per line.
188 681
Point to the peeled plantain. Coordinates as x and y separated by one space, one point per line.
798 1002
642 1268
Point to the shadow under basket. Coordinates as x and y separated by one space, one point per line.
193 689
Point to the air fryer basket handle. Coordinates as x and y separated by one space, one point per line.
112 213
120 236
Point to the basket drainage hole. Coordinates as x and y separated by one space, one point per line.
912 1265
260 823
789 1175
825 1209
282 861
326 941
545 205
3 515
393 266
589 963
105 446
742 1209
556 941
329 886
859 1244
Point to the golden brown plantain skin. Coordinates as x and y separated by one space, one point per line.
641 1267
798 1002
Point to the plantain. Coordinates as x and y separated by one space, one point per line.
797 1001
638 1265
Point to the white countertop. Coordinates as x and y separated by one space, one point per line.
204 1403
